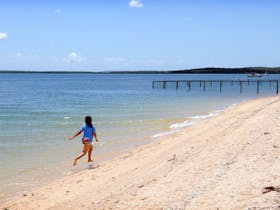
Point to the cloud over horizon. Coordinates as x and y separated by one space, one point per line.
136 3
74 57
3 35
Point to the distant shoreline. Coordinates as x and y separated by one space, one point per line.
210 70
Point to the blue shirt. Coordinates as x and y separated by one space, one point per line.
88 132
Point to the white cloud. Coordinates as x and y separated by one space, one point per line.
3 35
74 58
136 3
57 11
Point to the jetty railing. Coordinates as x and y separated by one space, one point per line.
204 83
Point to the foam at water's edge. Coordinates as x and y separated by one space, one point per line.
188 123
184 124
163 134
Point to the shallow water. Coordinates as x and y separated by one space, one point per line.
38 112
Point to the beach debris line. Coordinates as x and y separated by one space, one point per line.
220 83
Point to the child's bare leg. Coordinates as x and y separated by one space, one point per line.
86 147
89 153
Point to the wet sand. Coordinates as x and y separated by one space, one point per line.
224 162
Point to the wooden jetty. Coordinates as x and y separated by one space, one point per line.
220 83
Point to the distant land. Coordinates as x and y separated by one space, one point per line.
208 70
260 70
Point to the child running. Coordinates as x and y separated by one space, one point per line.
88 132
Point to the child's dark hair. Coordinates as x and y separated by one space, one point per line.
88 121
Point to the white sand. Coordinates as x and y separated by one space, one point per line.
223 162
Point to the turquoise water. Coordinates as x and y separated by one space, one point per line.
38 112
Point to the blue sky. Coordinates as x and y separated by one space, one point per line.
100 35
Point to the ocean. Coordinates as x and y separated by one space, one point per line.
38 112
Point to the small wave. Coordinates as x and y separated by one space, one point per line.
185 124
66 118
202 117
195 120
188 123
163 134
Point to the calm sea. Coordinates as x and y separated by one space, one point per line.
38 112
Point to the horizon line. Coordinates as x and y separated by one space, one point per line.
131 71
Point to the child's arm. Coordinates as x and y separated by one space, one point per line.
77 134
95 136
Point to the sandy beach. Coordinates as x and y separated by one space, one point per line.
222 163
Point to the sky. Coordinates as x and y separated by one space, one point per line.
108 35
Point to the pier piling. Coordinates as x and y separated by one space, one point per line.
204 86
